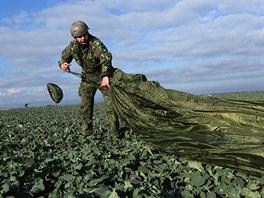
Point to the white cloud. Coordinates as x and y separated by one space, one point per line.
188 39
241 6
11 92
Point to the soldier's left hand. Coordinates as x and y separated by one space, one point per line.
105 82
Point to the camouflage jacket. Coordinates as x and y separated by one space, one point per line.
94 58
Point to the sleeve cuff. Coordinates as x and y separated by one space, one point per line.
60 62
104 74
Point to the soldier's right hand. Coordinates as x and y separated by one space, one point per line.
65 67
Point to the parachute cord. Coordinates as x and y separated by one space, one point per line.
80 76
75 74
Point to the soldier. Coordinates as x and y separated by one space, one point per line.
96 62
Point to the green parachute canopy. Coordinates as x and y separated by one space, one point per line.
228 133
55 92
222 132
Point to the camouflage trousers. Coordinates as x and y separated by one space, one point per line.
87 92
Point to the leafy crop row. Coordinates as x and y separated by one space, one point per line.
257 96
43 154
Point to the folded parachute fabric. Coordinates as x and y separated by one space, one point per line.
55 92
227 133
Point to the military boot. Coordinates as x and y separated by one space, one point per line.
87 132
115 134
114 129
86 129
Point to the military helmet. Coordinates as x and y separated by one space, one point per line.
78 28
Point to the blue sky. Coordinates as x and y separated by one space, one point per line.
195 46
